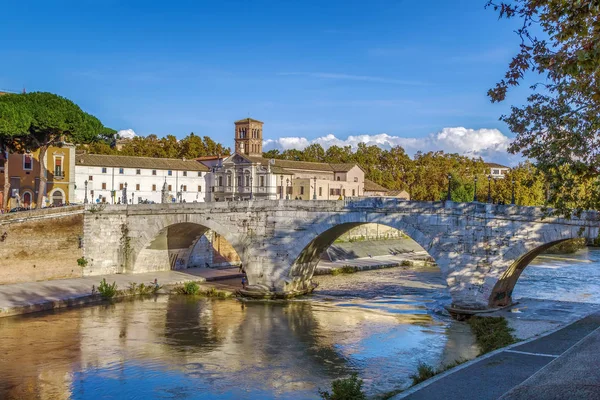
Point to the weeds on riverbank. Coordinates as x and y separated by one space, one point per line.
107 291
188 288
141 289
345 389
346 269
193 289
426 371
491 333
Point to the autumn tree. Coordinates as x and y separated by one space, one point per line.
559 126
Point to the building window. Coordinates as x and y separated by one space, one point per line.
228 180
103 185
247 180
169 188
154 188
137 186
169 172
153 172
356 179
220 181
338 178
353 192
262 181
184 173
301 189
92 194
200 174
199 188
344 192
91 178
184 189
103 170
27 162
138 171
58 170
320 191
121 171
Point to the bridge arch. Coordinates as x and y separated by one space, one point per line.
168 243
310 247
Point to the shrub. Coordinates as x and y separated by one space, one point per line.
345 389
424 372
406 263
107 291
82 262
491 333
189 288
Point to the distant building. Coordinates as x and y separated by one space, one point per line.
25 171
246 174
373 189
105 177
497 171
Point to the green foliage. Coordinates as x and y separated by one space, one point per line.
82 262
559 125
491 333
107 291
188 288
345 389
424 372
406 263
568 246
346 269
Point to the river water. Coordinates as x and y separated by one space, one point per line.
379 324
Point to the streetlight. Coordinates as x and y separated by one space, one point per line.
489 188
181 194
315 191
475 195
281 194
250 187
124 194
85 200
513 192
287 191
132 197
449 198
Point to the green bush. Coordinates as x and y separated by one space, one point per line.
189 288
345 389
82 262
491 333
406 263
107 291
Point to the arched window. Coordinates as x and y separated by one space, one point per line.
57 198
338 178
26 199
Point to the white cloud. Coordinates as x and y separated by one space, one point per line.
126 134
490 144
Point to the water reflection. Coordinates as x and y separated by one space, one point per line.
176 347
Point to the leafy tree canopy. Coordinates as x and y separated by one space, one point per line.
559 125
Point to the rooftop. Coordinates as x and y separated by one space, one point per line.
303 165
371 186
495 165
241 121
102 160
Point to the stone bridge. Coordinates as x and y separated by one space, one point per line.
481 249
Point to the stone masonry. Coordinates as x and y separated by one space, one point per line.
481 249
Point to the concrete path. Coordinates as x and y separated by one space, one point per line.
375 262
21 298
563 364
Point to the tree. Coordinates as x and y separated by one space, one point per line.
14 123
54 121
559 126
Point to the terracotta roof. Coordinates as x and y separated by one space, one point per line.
398 193
208 158
101 160
343 167
241 121
371 186
494 165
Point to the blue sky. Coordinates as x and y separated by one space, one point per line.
407 69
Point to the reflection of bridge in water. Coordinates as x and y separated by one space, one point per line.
481 249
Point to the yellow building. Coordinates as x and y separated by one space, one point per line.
24 171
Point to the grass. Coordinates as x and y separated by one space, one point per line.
346 269
107 291
193 289
406 263
188 288
426 371
345 389
491 333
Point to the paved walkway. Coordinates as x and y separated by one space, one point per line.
376 262
564 364
21 298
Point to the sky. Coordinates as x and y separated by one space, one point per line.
383 72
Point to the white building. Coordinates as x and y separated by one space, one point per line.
246 174
105 177
497 171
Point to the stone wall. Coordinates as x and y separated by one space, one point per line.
46 246
371 232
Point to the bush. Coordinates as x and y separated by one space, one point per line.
424 372
82 262
345 389
107 291
189 288
406 263
491 333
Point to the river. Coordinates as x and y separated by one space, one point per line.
379 324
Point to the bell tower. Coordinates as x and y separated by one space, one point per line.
248 137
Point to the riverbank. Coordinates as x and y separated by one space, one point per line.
29 297
415 259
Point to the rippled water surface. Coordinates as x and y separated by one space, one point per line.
379 324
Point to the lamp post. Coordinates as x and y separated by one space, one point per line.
85 200
287 191
124 194
132 197
251 187
475 194
181 194
281 194
315 188
489 188
513 192
449 198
